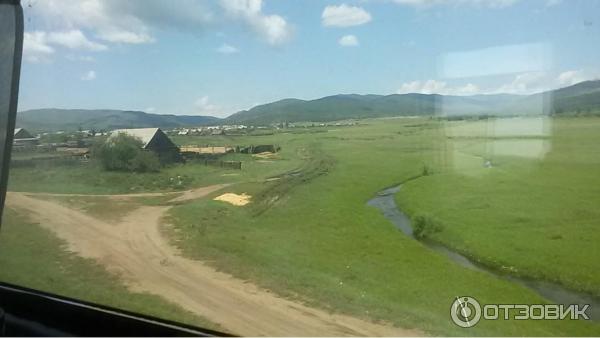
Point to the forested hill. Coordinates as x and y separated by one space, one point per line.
74 119
582 97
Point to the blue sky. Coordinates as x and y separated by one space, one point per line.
201 57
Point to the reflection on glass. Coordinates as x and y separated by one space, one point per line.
310 168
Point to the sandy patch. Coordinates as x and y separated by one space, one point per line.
266 155
235 199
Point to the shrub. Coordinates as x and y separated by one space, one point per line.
125 153
426 170
425 226
144 161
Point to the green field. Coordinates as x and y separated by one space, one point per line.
534 216
309 235
319 239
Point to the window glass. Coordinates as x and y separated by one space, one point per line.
367 168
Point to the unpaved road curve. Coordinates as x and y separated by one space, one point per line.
185 194
135 249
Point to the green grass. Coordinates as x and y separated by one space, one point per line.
33 257
536 216
102 208
319 242
310 235
90 178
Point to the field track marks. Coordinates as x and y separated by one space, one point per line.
136 250
185 194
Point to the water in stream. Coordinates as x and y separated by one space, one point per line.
384 201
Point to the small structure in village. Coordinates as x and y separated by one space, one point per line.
154 139
207 150
22 138
263 148
21 133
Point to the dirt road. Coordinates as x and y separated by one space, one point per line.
135 249
185 194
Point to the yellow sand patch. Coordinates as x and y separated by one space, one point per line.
234 199
265 155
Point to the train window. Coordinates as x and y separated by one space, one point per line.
310 168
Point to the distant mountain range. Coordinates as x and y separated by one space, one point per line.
73 119
581 97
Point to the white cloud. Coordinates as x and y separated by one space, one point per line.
344 16
272 28
522 84
526 83
36 42
481 3
205 107
468 89
136 21
118 21
74 39
535 82
109 20
122 36
36 47
410 87
571 77
227 49
83 58
348 41
437 87
88 76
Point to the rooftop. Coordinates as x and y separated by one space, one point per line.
144 134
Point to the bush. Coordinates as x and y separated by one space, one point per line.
426 170
425 226
125 153
144 161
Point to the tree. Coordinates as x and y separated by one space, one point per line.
125 153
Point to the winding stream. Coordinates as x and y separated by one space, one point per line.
384 201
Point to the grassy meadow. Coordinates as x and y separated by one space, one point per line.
521 197
91 178
535 215
317 240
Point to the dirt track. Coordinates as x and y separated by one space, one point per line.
135 249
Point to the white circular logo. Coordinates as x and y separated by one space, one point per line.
465 311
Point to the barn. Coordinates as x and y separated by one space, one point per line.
155 140
21 133
23 139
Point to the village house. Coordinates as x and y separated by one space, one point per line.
22 138
154 139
